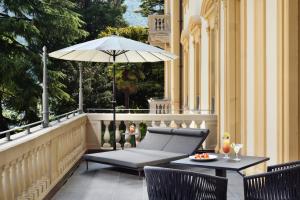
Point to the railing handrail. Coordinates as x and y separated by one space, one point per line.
28 126
64 115
136 109
109 109
22 127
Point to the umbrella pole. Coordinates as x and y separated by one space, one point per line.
114 102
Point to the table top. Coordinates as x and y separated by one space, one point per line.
224 164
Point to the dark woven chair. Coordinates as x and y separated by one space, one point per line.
274 185
283 166
173 184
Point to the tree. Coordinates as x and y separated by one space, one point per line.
150 7
138 81
25 27
98 14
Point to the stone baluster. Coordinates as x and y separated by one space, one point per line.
8 193
14 180
34 166
193 124
2 189
137 132
24 175
35 189
118 135
167 123
48 162
38 163
20 176
163 107
43 161
153 124
106 136
31 168
127 136
26 172
173 124
67 157
203 124
42 185
162 124
60 153
184 124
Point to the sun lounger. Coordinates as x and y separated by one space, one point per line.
160 146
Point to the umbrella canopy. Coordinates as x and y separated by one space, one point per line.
114 49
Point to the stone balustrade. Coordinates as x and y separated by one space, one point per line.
159 29
159 106
99 134
159 23
31 166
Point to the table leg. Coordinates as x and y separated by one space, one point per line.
221 172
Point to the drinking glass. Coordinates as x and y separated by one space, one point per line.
236 148
226 148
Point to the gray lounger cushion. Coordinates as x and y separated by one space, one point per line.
156 139
134 158
161 145
185 140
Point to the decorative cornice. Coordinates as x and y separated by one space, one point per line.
194 22
207 8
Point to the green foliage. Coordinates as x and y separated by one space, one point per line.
25 27
97 86
99 14
136 81
137 33
150 7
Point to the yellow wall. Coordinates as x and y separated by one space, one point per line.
248 61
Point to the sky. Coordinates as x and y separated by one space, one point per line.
134 19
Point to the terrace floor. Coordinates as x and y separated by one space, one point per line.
105 182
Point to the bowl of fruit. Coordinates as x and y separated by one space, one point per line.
203 157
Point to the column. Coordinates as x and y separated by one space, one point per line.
175 48
185 78
232 68
195 31
271 80
260 77
191 81
209 38
288 81
204 96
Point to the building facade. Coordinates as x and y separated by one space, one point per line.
240 60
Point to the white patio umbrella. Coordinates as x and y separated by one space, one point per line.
113 49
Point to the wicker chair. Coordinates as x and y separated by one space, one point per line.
283 166
173 184
273 185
